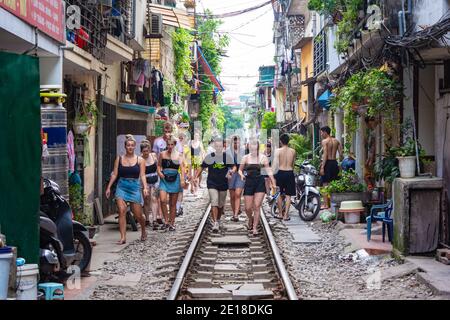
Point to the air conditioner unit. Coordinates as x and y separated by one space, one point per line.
155 25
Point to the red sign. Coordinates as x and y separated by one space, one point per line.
46 15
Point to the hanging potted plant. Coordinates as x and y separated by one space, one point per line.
81 124
189 4
85 118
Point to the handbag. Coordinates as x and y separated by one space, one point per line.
152 179
170 177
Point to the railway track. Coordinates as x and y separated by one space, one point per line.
232 264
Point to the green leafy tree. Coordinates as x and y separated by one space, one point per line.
232 121
212 44
269 121
181 40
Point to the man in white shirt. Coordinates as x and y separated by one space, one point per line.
160 143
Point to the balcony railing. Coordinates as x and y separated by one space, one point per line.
120 20
296 29
91 36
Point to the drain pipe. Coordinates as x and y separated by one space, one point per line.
402 17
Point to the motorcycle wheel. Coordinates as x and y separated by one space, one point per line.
83 250
310 208
131 221
274 207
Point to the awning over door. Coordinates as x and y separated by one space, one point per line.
208 71
324 100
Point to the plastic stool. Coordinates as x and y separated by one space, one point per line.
50 288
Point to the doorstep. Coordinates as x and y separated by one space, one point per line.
358 240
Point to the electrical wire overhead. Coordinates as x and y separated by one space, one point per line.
235 13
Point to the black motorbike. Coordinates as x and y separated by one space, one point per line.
307 199
63 241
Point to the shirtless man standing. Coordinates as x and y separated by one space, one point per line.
329 169
284 168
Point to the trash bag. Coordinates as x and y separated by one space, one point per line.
327 216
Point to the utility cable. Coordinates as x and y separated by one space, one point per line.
252 20
252 45
235 13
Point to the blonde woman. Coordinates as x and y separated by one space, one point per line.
172 181
130 170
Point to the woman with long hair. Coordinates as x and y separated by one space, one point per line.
236 184
130 170
252 169
197 155
151 202
172 181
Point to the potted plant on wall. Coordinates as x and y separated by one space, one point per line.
406 155
347 188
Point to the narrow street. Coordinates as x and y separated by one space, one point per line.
325 267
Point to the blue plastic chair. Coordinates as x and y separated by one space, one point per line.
52 290
381 213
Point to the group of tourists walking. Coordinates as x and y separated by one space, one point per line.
153 182
248 172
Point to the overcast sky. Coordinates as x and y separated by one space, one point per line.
250 46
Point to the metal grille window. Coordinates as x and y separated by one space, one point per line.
91 37
121 22
320 53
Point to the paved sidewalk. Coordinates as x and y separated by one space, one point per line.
105 250
299 229
434 273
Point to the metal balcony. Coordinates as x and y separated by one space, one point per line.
120 20
296 29
91 36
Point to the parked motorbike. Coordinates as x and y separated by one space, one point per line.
307 199
63 242
309 205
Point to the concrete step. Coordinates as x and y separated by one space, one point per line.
209 293
252 294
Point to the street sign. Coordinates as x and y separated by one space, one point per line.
46 15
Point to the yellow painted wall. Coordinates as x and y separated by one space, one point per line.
306 62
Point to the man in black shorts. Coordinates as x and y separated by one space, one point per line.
329 169
220 167
284 166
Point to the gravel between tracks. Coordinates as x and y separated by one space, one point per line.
152 258
324 271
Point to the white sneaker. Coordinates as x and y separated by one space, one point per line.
215 227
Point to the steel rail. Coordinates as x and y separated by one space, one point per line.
292 295
188 258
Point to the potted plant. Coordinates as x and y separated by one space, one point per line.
189 4
347 188
77 204
86 118
81 124
406 155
